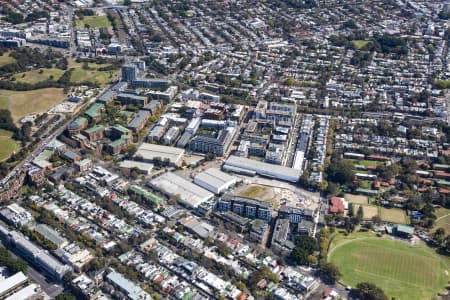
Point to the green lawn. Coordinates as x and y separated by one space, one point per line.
442 219
365 184
4 102
80 75
94 22
38 75
443 222
6 59
401 270
440 212
7 144
360 43
366 163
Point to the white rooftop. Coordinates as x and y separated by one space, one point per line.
215 178
150 151
190 194
27 292
12 282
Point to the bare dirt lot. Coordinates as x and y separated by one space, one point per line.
393 215
368 211
260 192
358 199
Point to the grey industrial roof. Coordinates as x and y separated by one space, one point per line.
143 166
215 177
150 151
191 194
262 168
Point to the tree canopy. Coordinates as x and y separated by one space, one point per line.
341 171
304 247
329 272
368 291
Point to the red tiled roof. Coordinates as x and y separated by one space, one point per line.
444 191
426 181
336 205
328 292
242 296
262 283
442 174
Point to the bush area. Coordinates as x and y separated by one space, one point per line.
13 264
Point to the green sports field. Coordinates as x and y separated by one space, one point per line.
6 59
360 43
38 75
443 219
7 144
94 22
93 75
401 270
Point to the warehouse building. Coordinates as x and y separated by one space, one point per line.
215 180
190 194
252 167
143 167
149 152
